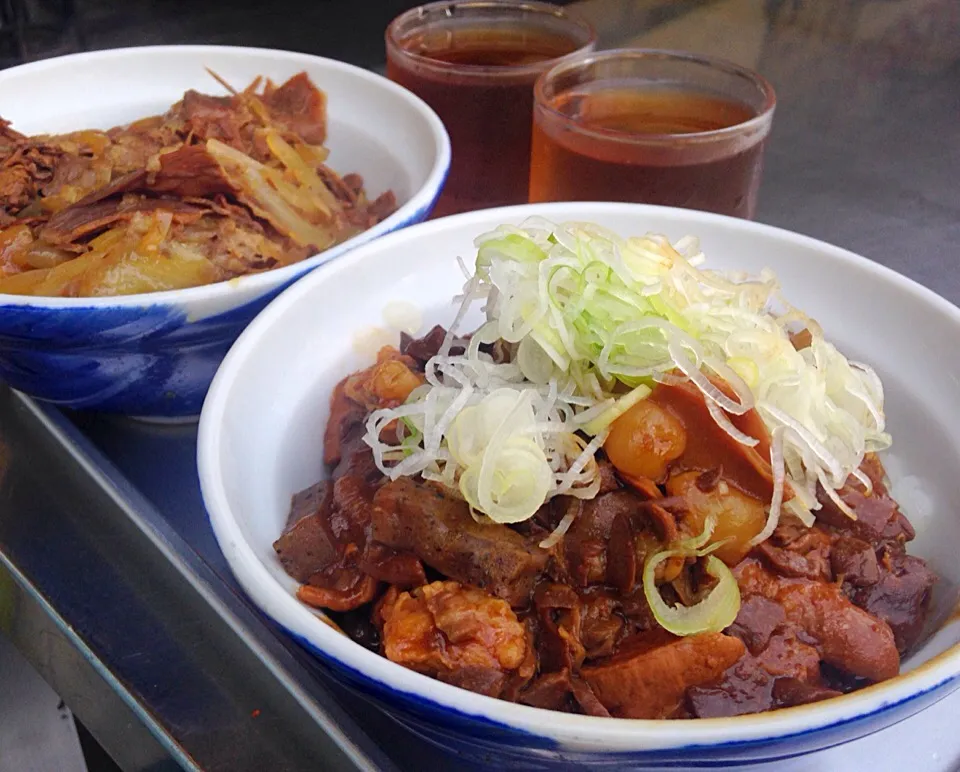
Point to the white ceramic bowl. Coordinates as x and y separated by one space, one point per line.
260 441
154 355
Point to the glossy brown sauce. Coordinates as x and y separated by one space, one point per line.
748 469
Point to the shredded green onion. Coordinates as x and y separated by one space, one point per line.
588 313
717 610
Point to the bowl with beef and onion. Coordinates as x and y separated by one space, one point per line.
606 484
153 200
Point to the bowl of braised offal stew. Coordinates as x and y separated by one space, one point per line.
153 200
606 484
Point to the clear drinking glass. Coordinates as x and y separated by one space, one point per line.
475 62
655 127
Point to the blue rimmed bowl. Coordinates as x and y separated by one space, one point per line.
154 355
260 440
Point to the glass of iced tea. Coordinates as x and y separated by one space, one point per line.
655 127
475 62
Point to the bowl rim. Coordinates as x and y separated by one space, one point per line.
421 199
586 732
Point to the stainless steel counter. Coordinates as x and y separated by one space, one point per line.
110 580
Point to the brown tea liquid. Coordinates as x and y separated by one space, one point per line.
487 114
604 157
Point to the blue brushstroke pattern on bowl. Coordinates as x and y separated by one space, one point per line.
149 361
476 742
154 356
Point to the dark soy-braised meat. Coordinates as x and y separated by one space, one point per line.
405 568
845 635
804 555
651 673
561 628
878 518
900 596
591 548
307 547
854 561
421 349
847 593
436 526
756 622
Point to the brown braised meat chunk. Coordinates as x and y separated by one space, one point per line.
458 634
789 626
407 569
307 547
435 525
649 676
900 596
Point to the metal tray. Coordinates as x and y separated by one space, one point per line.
113 586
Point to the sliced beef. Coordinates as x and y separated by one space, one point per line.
79 222
17 189
300 107
134 148
189 171
74 176
125 183
376 211
8 135
210 117
26 167
435 525
87 181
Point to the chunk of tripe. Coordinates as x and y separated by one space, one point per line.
650 674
